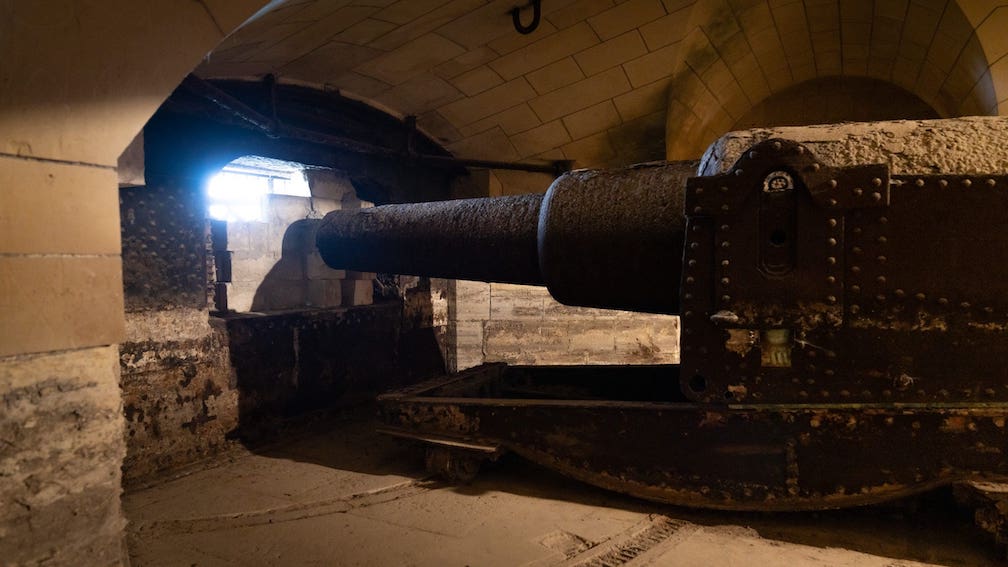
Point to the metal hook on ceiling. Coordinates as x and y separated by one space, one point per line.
536 15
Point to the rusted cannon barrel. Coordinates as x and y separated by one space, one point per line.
491 239
598 238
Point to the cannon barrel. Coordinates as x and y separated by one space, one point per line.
598 238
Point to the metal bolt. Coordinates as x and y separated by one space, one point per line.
816 167
831 260
858 191
689 279
725 263
726 298
942 183
724 207
880 298
883 219
855 308
698 209
857 230
964 305
699 190
876 196
694 245
753 154
691 263
920 297
876 182
830 280
881 259
725 227
776 145
899 293
967 182
832 222
725 244
832 202
725 281
738 172
855 269
880 279
831 241
687 296
831 298
882 240
991 182
919 182
855 289
857 250
943 301
724 189
688 314
833 183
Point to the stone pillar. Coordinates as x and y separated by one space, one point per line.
80 79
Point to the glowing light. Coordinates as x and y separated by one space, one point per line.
238 193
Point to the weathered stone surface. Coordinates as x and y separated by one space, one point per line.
179 395
960 145
61 425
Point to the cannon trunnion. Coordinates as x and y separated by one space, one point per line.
843 331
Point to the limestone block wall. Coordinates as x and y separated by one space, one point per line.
272 264
524 325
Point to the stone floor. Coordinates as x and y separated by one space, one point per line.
339 494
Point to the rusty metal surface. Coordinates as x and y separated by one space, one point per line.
614 238
492 239
883 290
766 457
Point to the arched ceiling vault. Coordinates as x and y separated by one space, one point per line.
605 82
740 52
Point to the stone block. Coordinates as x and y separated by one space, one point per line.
63 445
608 54
240 295
555 75
643 100
667 29
591 120
252 266
468 344
545 51
411 59
575 12
48 208
472 301
325 293
316 269
489 102
625 17
53 303
476 81
592 335
286 209
582 94
540 139
518 118
653 66
357 292
328 184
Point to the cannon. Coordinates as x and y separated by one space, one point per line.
843 330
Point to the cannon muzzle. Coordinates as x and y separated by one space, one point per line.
598 238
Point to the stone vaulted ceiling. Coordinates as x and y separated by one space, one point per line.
605 82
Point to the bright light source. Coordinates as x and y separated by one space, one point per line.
239 191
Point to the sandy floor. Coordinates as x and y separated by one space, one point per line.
343 495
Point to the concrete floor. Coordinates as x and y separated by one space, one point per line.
339 494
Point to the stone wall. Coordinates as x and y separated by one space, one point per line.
524 325
272 264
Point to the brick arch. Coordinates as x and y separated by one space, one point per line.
740 52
